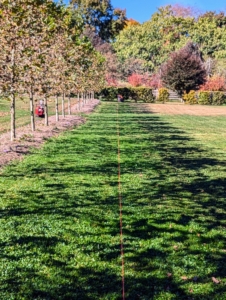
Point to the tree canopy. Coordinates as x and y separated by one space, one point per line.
101 15
168 30
184 71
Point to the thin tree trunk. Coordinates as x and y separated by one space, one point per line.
57 108
13 97
63 111
69 105
31 97
79 104
13 117
46 111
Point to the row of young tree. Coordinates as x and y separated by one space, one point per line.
48 49
44 54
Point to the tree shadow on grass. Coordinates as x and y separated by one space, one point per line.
68 233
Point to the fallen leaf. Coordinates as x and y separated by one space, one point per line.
191 291
184 277
175 247
215 280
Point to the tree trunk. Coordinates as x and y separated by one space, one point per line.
31 97
13 97
57 108
63 111
13 117
79 104
46 111
69 105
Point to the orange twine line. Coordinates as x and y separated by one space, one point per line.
120 208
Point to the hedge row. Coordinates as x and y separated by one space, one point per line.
205 98
136 93
146 95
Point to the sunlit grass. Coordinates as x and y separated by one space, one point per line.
60 215
23 111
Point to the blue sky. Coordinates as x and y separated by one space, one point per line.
142 10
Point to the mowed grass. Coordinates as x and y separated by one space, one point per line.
23 111
59 226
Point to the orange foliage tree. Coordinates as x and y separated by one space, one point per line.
131 22
215 83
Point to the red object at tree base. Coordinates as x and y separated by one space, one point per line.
39 111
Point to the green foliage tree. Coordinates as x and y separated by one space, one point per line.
168 30
209 32
184 71
101 15
153 40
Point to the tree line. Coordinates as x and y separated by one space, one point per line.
142 50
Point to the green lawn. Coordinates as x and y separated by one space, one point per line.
59 226
23 111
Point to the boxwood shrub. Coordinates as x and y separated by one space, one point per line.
190 97
136 93
163 95
218 98
204 97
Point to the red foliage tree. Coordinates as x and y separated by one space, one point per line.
135 79
154 81
184 71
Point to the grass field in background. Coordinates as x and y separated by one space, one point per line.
59 226
23 111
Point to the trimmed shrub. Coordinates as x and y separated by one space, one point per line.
163 95
136 93
125 92
218 98
142 93
109 93
204 98
190 98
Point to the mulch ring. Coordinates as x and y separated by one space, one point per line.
26 139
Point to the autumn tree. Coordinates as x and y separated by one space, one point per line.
180 10
215 83
11 53
42 16
113 68
184 71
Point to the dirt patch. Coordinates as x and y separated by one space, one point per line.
3 114
26 139
183 109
